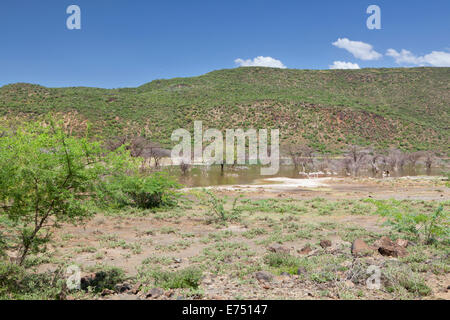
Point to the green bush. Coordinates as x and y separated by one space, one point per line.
141 191
16 283
283 262
107 278
186 278
47 176
400 279
419 226
217 207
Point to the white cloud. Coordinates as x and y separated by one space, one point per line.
360 50
405 56
260 62
435 58
438 59
344 65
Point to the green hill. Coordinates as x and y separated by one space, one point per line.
329 109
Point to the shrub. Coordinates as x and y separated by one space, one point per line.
16 283
107 278
283 262
419 226
217 208
402 278
186 278
46 177
141 191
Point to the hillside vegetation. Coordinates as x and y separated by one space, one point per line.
326 109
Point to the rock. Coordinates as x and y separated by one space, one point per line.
124 296
177 260
122 287
154 293
169 293
107 292
263 276
305 250
265 285
277 248
402 243
325 243
360 248
135 289
349 284
387 247
301 270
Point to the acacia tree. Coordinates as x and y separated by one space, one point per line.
46 177
430 158
396 159
301 156
140 147
355 159
375 162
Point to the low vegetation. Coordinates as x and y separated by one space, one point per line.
326 110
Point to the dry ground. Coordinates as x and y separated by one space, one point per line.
229 253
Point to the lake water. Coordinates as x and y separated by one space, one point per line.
202 176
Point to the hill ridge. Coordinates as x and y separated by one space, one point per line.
326 109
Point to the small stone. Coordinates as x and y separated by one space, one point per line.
177 260
325 243
107 292
301 270
277 248
125 296
155 293
402 243
136 288
349 284
305 250
265 286
263 276
169 293
360 248
387 247
122 287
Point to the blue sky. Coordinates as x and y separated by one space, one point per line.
126 43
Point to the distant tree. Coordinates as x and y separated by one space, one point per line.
139 146
396 159
355 159
414 157
376 161
430 158
301 156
